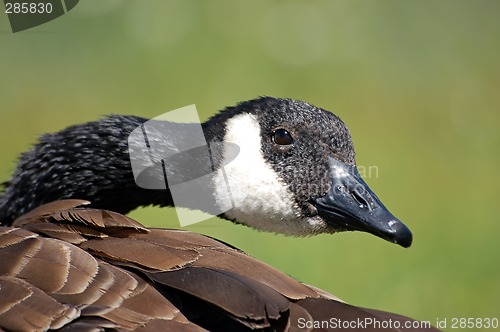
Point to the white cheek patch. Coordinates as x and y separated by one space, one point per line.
258 196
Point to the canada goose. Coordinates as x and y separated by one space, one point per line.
70 259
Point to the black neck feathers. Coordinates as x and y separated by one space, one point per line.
88 161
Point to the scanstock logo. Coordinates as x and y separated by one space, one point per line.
170 153
26 14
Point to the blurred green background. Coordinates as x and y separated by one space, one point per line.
416 82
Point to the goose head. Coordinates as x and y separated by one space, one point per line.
296 172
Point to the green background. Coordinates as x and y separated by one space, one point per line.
416 82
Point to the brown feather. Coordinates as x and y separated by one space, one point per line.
89 270
234 293
297 313
74 234
36 215
27 308
228 259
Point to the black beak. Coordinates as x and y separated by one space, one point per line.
351 205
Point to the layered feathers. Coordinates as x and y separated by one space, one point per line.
71 267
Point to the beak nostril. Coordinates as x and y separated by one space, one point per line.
358 198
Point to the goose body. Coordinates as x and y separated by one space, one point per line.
72 260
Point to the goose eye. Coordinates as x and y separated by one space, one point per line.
282 137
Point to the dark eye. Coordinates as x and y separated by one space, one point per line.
282 137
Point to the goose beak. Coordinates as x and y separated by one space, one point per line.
351 205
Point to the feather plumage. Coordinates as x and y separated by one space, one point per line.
145 279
